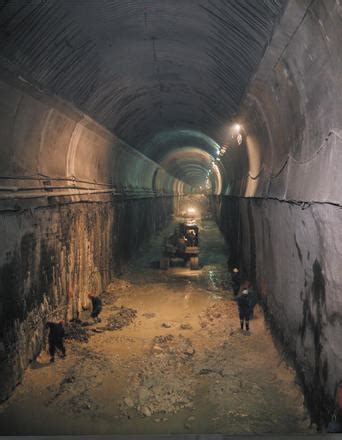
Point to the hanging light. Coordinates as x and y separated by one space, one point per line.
237 128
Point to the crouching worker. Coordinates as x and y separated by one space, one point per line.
56 339
244 309
96 307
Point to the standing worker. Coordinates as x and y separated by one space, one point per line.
236 280
244 309
96 307
56 336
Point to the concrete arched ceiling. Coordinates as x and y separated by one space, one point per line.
190 164
141 67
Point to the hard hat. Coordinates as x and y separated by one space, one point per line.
235 270
245 292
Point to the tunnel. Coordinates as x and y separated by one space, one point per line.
115 118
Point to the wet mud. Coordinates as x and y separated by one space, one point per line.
177 362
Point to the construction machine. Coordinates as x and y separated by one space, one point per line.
182 244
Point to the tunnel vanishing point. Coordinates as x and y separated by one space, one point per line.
111 111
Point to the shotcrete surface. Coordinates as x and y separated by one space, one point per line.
181 366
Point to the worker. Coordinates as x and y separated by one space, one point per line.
244 309
96 307
56 337
236 280
335 425
195 238
188 239
191 237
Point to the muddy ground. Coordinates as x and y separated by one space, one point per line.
167 357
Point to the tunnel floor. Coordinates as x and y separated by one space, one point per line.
181 366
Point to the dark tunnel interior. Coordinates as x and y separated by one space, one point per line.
114 114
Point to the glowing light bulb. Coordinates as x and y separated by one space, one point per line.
237 128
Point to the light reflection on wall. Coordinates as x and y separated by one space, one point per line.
218 179
255 164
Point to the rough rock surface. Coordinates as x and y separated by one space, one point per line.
44 274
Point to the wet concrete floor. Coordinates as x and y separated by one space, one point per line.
182 365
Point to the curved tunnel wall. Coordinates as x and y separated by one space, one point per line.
44 136
75 203
283 217
190 71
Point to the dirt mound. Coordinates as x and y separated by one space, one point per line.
76 331
122 318
108 298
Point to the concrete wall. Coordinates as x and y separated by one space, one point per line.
284 225
293 255
75 203
50 144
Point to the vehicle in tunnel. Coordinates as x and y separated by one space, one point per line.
182 244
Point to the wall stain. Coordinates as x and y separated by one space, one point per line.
300 256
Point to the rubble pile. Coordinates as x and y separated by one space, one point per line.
75 330
108 298
118 284
165 384
122 318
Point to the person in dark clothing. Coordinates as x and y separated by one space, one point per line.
244 309
335 425
96 307
189 239
56 339
236 280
